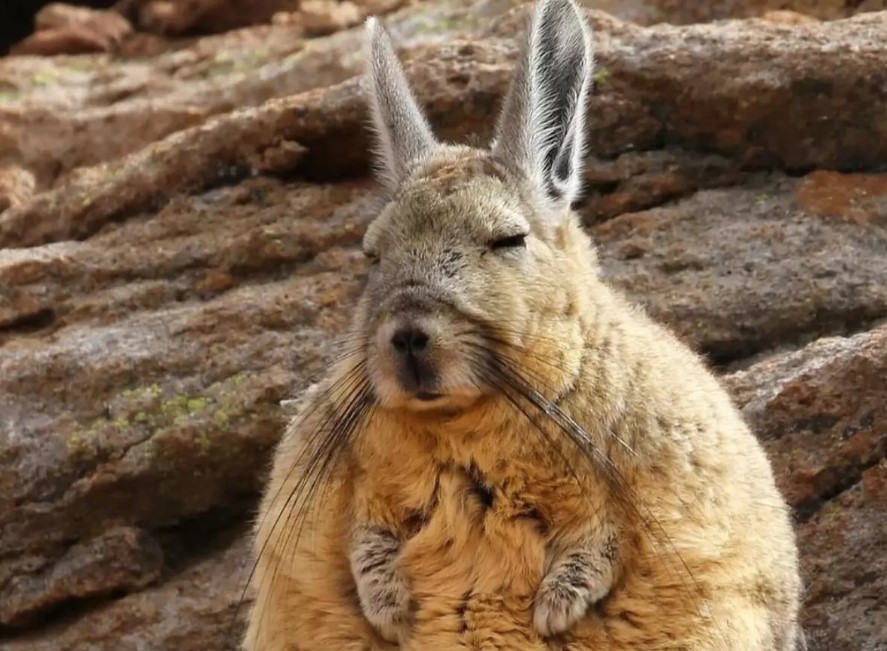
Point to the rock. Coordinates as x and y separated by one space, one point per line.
821 412
786 11
181 350
16 186
66 29
50 42
320 17
176 17
642 100
120 559
739 270
229 147
782 17
132 388
848 197
846 567
638 180
196 609
650 89
55 112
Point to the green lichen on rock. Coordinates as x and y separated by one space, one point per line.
85 445
236 62
45 77
149 414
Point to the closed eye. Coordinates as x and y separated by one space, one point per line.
510 242
372 256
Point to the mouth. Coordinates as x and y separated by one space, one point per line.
417 377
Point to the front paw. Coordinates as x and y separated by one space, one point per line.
559 605
385 601
576 582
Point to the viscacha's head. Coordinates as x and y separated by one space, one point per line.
476 255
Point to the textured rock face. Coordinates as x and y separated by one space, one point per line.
65 29
822 415
179 242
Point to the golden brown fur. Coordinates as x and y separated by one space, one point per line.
485 491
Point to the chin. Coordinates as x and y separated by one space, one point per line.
442 403
392 395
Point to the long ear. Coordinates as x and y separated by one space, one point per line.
402 132
541 131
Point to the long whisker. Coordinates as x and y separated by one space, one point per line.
320 462
626 497
506 362
323 447
513 399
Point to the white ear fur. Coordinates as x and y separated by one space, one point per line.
541 130
402 131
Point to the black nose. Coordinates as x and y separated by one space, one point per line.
409 341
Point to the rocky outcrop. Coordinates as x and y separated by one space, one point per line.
55 113
179 244
822 414
66 29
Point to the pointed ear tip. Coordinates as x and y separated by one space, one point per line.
551 9
579 12
375 31
543 6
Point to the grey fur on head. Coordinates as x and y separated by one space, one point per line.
540 135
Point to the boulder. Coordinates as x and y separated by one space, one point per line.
821 412
67 29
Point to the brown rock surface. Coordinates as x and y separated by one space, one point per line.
55 113
16 186
739 270
180 240
676 11
194 610
822 414
846 567
66 29
822 411
118 559
176 17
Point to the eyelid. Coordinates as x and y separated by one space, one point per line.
511 223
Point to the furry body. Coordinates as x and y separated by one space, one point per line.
474 563
567 475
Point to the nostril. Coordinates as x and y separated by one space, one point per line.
409 340
400 341
418 341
